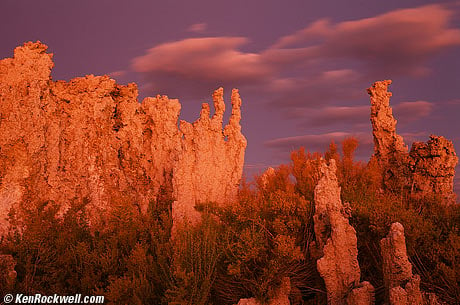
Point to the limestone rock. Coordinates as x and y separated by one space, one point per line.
390 152
401 286
433 167
361 295
429 167
339 264
386 140
91 140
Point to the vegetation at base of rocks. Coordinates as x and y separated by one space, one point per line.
238 251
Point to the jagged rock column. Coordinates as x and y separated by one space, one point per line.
401 286
336 239
390 152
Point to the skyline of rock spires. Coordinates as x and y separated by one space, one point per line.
90 140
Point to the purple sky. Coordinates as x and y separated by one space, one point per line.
302 66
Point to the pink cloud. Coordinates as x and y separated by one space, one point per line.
319 142
208 58
315 66
398 42
407 112
404 112
318 89
327 116
198 27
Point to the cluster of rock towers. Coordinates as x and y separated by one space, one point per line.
90 140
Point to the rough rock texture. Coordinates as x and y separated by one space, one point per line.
429 167
90 140
390 152
401 286
433 167
281 295
337 238
7 273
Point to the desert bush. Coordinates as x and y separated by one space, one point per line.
239 250
262 240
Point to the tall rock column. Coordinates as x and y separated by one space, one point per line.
336 239
401 286
390 152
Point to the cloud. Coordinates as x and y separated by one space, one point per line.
197 27
118 73
318 142
317 65
411 137
395 43
407 112
194 63
331 115
357 116
316 90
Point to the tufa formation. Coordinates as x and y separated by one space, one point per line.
90 141
428 169
336 240
401 286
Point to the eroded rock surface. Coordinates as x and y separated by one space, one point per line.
429 167
338 265
91 140
433 167
401 286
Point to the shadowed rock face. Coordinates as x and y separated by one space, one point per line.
336 239
90 140
428 169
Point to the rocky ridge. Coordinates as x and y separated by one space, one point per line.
90 141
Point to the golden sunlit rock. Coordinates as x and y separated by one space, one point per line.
90 141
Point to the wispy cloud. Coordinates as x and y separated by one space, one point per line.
398 42
317 142
407 112
198 28
315 66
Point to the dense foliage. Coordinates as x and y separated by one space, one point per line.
239 250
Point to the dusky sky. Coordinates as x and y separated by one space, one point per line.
302 66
